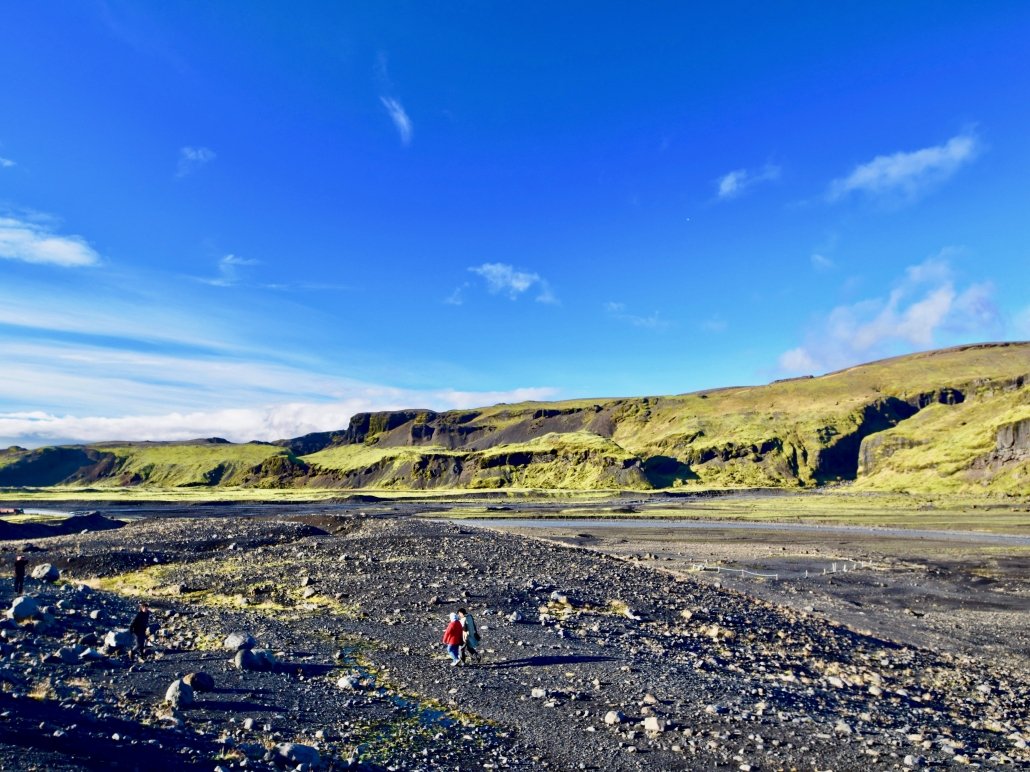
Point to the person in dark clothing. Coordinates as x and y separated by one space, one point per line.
20 564
139 627
470 633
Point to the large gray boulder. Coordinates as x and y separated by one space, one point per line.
179 694
23 608
296 754
45 572
120 640
237 641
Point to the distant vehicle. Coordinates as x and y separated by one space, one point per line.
11 511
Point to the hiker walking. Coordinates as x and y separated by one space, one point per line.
453 637
470 632
20 564
139 627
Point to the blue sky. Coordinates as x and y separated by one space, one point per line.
254 219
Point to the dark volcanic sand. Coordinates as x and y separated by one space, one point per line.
742 683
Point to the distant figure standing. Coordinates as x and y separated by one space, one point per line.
470 632
20 564
453 638
140 627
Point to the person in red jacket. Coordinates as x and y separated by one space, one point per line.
453 637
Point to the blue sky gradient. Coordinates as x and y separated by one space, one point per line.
254 219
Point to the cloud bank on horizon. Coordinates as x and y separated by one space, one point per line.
262 246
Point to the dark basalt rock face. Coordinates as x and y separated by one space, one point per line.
840 459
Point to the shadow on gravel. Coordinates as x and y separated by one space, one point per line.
543 662
89 744
230 706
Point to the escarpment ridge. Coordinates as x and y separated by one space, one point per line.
951 420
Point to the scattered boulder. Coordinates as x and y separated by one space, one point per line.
46 572
614 717
179 694
246 660
538 693
199 682
23 608
654 724
254 659
70 654
295 754
515 617
119 640
237 641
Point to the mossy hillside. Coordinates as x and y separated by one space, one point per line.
354 457
807 415
949 448
795 433
182 465
578 461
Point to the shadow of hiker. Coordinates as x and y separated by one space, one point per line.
544 661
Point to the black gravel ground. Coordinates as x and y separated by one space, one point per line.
693 676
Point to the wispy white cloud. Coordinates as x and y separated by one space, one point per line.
502 278
262 422
739 181
908 174
821 262
457 297
36 242
165 397
399 117
6 163
193 158
652 321
228 271
924 305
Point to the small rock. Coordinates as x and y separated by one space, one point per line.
349 683
45 572
297 754
654 724
613 717
237 641
179 694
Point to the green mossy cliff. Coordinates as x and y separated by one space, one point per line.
955 420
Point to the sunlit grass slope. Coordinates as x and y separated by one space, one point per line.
182 465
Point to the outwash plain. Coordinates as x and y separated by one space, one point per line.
825 573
